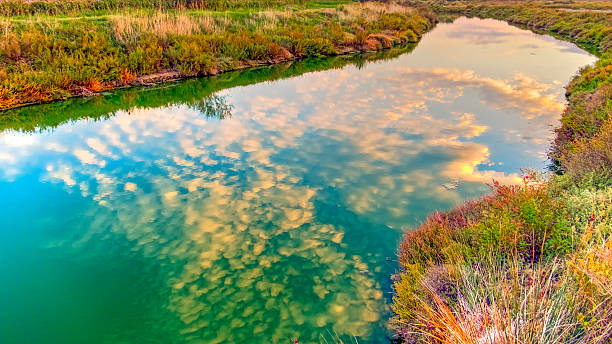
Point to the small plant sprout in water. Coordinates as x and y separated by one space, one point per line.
332 337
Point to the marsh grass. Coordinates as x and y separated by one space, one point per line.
44 57
590 160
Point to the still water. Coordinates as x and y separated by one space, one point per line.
227 210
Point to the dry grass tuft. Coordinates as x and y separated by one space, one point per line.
128 27
508 303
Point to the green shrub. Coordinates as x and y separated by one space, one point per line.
315 46
590 160
388 21
190 55
147 55
525 221
410 36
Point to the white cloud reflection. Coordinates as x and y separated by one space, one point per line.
240 213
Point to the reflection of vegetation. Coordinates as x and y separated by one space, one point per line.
213 107
589 30
189 92
105 46
529 263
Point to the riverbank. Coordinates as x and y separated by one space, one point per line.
50 53
194 93
530 262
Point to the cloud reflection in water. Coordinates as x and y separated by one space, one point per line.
275 223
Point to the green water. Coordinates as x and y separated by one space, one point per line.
261 206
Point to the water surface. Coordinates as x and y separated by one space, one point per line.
267 212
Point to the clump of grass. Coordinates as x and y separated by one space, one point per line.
508 302
127 28
522 265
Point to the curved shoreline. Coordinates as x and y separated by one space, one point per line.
513 240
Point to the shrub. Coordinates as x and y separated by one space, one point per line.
125 77
389 21
189 54
581 120
410 36
590 160
334 32
147 55
361 36
430 241
10 47
525 221
315 46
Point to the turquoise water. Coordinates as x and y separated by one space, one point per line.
265 212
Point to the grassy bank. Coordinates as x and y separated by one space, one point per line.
529 263
195 93
53 50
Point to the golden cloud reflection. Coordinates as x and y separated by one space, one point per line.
275 223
